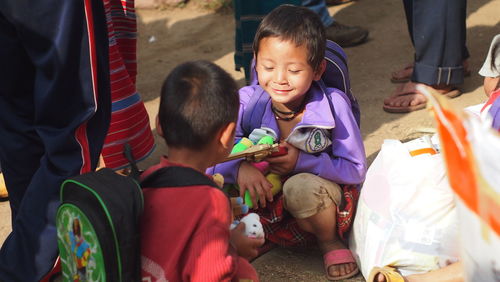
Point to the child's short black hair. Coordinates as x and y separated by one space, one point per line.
298 25
197 99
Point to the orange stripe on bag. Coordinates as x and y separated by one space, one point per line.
423 151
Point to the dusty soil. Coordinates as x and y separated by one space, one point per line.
169 37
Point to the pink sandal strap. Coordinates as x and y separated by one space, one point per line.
339 256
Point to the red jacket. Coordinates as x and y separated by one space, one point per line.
185 235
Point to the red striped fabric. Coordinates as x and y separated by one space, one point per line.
129 121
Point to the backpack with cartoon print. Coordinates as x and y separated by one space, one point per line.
98 227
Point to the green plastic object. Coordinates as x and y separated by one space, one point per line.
266 140
242 145
248 200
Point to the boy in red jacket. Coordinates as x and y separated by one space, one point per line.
185 230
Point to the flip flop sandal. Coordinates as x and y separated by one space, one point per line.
406 109
339 256
390 274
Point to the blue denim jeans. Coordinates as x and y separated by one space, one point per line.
437 30
319 7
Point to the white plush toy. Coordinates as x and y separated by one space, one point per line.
253 227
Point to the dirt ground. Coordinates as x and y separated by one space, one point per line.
169 37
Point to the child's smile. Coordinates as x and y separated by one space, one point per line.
284 71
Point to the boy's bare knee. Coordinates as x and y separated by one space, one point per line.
306 194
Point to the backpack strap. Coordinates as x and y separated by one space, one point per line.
176 176
134 170
255 110
323 88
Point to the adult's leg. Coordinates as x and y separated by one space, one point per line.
439 40
20 146
319 7
405 74
64 125
343 35
438 34
408 6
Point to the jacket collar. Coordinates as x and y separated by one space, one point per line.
317 111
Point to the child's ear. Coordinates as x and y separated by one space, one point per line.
321 69
158 126
226 138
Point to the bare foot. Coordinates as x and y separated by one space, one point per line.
402 75
338 270
380 278
405 95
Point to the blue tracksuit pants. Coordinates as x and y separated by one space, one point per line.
54 115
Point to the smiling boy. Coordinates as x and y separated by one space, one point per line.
316 124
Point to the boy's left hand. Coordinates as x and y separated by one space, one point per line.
245 246
283 165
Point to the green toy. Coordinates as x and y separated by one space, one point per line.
242 145
273 178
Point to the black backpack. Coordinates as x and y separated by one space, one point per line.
98 221
98 227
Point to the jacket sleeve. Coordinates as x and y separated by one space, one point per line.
210 257
230 169
345 162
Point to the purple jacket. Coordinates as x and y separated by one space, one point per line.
338 155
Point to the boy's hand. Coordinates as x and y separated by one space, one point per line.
251 179
245 246
283 165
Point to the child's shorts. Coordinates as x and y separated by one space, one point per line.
306 194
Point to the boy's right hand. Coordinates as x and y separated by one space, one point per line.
251 179
245 246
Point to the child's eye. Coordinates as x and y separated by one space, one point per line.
294 71
268 68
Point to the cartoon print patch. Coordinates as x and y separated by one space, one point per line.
80 252
317 141
310 139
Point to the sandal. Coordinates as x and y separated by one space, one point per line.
409 92
339 256
390 274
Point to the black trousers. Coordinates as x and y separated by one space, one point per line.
54 116
438 32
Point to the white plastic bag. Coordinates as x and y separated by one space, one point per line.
478 205
406 215
472 152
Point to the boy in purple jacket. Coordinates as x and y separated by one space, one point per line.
316 125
